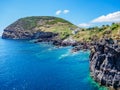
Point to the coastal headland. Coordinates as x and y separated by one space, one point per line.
103 42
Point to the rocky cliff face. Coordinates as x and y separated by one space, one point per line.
105 63
38 27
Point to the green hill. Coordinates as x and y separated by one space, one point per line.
30 25
94 33
26 28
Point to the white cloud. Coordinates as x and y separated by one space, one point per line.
84 25
112 17
58 12
66 11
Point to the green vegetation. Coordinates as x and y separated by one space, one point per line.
46 24
93 33
58 20
64 28
29 23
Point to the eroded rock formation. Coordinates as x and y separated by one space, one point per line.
105 63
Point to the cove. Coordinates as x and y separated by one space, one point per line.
28 66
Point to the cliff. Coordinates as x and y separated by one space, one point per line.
49 26
38 27
105 53
105 63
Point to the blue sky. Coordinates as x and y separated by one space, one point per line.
79 12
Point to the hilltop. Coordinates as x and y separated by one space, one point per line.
35 26
59 31
31 27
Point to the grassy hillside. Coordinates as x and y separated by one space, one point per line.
30 25
90 34
43 23
32 22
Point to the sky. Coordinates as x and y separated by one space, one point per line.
84 13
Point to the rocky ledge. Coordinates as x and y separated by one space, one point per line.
105 63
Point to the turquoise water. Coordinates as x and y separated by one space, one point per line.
28 66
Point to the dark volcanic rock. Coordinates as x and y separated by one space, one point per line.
36 27
57 42
80 46
44 35
105 63
11 34
41 29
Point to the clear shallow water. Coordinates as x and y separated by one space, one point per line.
28 66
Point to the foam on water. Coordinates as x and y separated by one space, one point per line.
66 54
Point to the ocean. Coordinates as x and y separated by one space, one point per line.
25 65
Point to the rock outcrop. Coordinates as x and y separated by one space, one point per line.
66 42
105 54
105 63
13 34
38 27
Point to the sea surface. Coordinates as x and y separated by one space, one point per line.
25 65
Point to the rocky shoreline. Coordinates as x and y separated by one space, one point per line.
104 60
105 63
104 56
